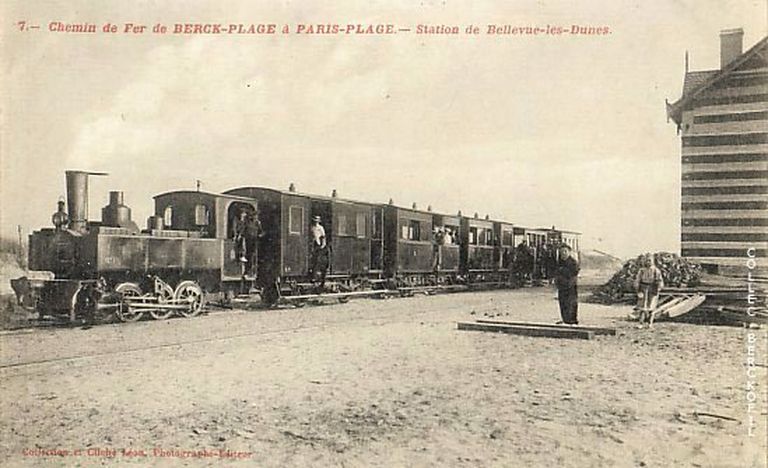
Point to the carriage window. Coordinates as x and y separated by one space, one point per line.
414 230
375 226
454 234
508 238
202 215
482 236
473 236
341 223
296 219
411 231
361 225
168 216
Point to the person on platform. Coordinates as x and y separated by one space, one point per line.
550 261
648 283
438 240
247 232
524 262
566 274
318 262
448 237
241 226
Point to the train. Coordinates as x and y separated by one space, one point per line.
192 252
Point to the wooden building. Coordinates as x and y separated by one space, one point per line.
722 117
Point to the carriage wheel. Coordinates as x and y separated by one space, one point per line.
124 312
190 294
164 296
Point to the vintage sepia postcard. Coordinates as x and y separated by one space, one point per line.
384 233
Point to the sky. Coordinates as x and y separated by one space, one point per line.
568 131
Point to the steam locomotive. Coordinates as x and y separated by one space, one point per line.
190 252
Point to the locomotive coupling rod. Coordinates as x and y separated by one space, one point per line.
140 305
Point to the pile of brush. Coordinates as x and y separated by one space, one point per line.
676 271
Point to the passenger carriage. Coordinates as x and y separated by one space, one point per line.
479 249
449 254
409 255
354 238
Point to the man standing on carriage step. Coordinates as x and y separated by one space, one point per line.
318 262
566 273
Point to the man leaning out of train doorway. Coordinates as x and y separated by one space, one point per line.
318 260
566 274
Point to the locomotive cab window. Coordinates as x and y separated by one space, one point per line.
202 215
295 219
168 216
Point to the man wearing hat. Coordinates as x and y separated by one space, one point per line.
566 273
318 263
247 232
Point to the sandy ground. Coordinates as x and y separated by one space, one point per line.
381 383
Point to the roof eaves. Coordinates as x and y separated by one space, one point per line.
675 109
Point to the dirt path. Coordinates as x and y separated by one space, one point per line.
385 383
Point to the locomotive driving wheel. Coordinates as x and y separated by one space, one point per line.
124 312
164 296
189 293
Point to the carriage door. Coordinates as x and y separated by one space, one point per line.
323 209
377 239
233 267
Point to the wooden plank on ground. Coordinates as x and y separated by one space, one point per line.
528 330
685 306
597 330
662 307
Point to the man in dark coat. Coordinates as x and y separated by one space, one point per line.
565 279
247 232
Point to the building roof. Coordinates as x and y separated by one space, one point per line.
699 81
695 79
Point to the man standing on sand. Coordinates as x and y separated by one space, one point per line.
566 272
648 283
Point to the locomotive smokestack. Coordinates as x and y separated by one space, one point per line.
116 198
77 198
